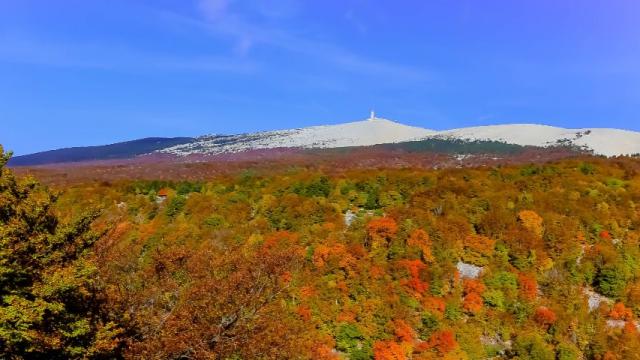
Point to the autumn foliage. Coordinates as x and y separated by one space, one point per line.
531 221
325 263
478 248
443 341
388 350
545 316
620 312
381 231
473 290
528 287
420 239
415 268
403 332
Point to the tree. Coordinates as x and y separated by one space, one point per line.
403 332
473 289
532 346
388 350
472 303
414 268
545 316
50 295
528 286
620 312
478 249
531 221
380 231
420 239
611 280
473 286
443 341
231 305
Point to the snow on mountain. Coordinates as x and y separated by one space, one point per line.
360 133
608 142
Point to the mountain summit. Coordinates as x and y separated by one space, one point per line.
368 132
372 131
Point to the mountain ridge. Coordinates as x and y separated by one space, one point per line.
363 133
120 150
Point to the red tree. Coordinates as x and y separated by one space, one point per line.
528 286
403 331
620 312
443 341
415 267
388 350
472 303
545 316
473 286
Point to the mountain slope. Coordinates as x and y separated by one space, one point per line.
374 131
608 142
360 133
122 150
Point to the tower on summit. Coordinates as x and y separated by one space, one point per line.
373 115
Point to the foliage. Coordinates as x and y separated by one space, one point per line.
611 280
175 206
351 341
50 297
261 263
545 316
533 347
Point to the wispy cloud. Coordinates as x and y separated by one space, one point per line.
220 18
214 9
35 50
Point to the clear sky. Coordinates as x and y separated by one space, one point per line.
80 72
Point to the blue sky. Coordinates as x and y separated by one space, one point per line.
77 72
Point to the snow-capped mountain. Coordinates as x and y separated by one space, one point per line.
608 142
372 131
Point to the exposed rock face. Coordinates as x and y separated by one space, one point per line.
595 299
468 271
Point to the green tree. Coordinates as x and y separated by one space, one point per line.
50 304
611 280
533 347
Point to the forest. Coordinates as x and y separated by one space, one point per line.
532 261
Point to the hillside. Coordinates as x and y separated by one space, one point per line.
359 134
530 262
122 150
608 142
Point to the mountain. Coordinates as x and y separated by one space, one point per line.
369 132
364 133
608 142
122 150
374 131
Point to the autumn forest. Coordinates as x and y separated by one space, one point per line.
531 261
